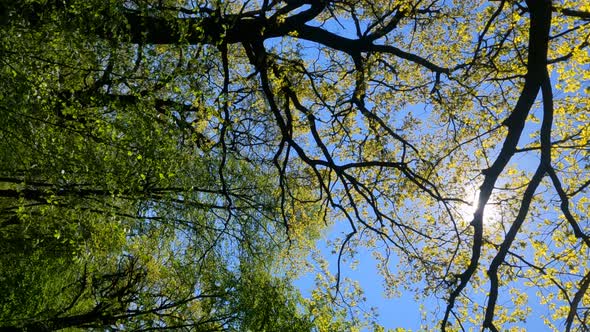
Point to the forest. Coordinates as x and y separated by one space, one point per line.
174 164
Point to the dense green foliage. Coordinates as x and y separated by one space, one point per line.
116 210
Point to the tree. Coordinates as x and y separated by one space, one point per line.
117 211
285 115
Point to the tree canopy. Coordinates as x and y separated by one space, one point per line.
170 164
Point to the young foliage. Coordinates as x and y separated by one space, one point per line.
168 164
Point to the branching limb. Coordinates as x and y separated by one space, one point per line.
536 72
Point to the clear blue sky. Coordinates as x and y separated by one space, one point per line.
404 311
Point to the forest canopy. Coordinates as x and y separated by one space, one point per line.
171 164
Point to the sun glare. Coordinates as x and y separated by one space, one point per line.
466 211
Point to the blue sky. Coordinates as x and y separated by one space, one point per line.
404 311
397 312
